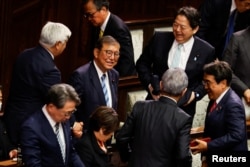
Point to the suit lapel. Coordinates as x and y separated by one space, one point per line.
194 55
113 87
95 81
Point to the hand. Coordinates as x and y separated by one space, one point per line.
155 97
77 129
247 96
200 147
192 97
13 153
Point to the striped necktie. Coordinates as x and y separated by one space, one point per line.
60 141
105 90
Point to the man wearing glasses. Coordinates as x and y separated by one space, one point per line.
46 135
105 23
97 81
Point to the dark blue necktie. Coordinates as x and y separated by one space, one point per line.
230 27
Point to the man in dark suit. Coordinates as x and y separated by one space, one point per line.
225 120
43 143
97 12
215 16
33 73
160 55
238 57
159 131
87 79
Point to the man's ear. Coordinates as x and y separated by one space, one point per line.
161 85
96 52
183 92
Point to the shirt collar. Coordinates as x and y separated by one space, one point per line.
105 22
45 112
99 71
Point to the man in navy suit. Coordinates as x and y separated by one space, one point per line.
225 121
87 79
215 16
160 55
46 135
97 12
159 131
33 74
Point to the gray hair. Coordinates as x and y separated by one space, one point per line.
59 94
53 32
174 81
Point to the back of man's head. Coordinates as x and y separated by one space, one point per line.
174 82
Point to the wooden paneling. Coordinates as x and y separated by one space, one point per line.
21 22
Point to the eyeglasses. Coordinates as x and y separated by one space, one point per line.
90 15
207 83
69 113
109 53
182 27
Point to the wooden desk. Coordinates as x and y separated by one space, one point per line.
8 163
198 131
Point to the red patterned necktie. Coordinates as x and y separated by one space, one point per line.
213 106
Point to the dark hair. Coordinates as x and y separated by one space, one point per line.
98 3
59 94
191 14
104 117
107 40
220 70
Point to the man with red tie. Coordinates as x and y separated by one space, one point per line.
225 123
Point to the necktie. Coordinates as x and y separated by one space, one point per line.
61 143
100 33
230 27
177 56
104 88
213 106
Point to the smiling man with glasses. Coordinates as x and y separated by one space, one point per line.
106 23
97 81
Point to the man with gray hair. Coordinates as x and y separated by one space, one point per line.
159 131
34 72
46 135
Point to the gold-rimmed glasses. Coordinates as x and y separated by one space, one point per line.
110 53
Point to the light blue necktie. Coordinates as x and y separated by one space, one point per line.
177 56
104 88
61 143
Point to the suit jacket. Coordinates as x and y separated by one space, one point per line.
238 57
33 73
155 57
214 18
40 147
87 84
90 152
119 30
226 125
160 134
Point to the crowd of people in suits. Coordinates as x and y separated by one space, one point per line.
70 124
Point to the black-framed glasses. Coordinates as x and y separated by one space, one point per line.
90 15
69 113
109 53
